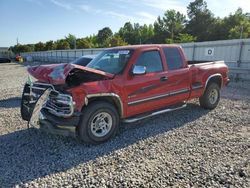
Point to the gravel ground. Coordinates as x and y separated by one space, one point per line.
192 147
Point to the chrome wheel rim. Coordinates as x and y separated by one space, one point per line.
101 124
213 96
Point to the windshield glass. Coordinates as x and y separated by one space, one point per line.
111 61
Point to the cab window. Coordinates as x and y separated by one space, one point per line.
173 58
151 60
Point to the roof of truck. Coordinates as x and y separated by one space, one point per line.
146 46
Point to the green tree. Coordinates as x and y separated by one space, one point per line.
146 34
103 35
22 48
92 39
116 41
39 46
236 25
183 38
160 31
83 43
201 20
240 31
71 39
167 28
127 33
174 22
62 45
49 45
136 34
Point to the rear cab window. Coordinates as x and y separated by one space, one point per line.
151 60
174 59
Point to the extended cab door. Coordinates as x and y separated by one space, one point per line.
159 87
178 74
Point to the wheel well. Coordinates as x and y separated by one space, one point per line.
112 100
215 79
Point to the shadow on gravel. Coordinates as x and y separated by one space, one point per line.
10 102
30 154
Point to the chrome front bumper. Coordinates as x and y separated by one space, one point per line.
49 123
58 104
48 109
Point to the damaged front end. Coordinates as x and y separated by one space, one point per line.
49 102
46 108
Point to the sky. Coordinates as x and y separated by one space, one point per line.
32 21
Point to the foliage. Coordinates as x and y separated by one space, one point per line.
104 35
39 46
62 44
127 33
136 34
174 22
71 39
83 43
22 48
116 41
184 38
201 20
49 45
238 25
172 27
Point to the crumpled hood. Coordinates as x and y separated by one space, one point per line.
56 74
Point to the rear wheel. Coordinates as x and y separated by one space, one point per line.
99 123
211 96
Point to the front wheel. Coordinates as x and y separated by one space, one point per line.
99 123
211 96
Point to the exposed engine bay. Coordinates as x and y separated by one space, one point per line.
77 76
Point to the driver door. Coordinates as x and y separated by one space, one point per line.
144 91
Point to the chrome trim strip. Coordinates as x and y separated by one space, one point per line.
117 97
214 75
38 88
159 96
197 87
132 120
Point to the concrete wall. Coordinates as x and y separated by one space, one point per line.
61 56
235 53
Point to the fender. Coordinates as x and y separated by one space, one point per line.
116 98
212 76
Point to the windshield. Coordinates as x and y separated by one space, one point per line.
111 61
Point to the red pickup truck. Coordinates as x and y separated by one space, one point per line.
126 84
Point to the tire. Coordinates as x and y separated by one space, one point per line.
211 96
96 115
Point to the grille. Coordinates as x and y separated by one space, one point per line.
58 104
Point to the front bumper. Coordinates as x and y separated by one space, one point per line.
64 127
51 120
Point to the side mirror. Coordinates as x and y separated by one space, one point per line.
139 70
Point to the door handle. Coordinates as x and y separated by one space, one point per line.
164 78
